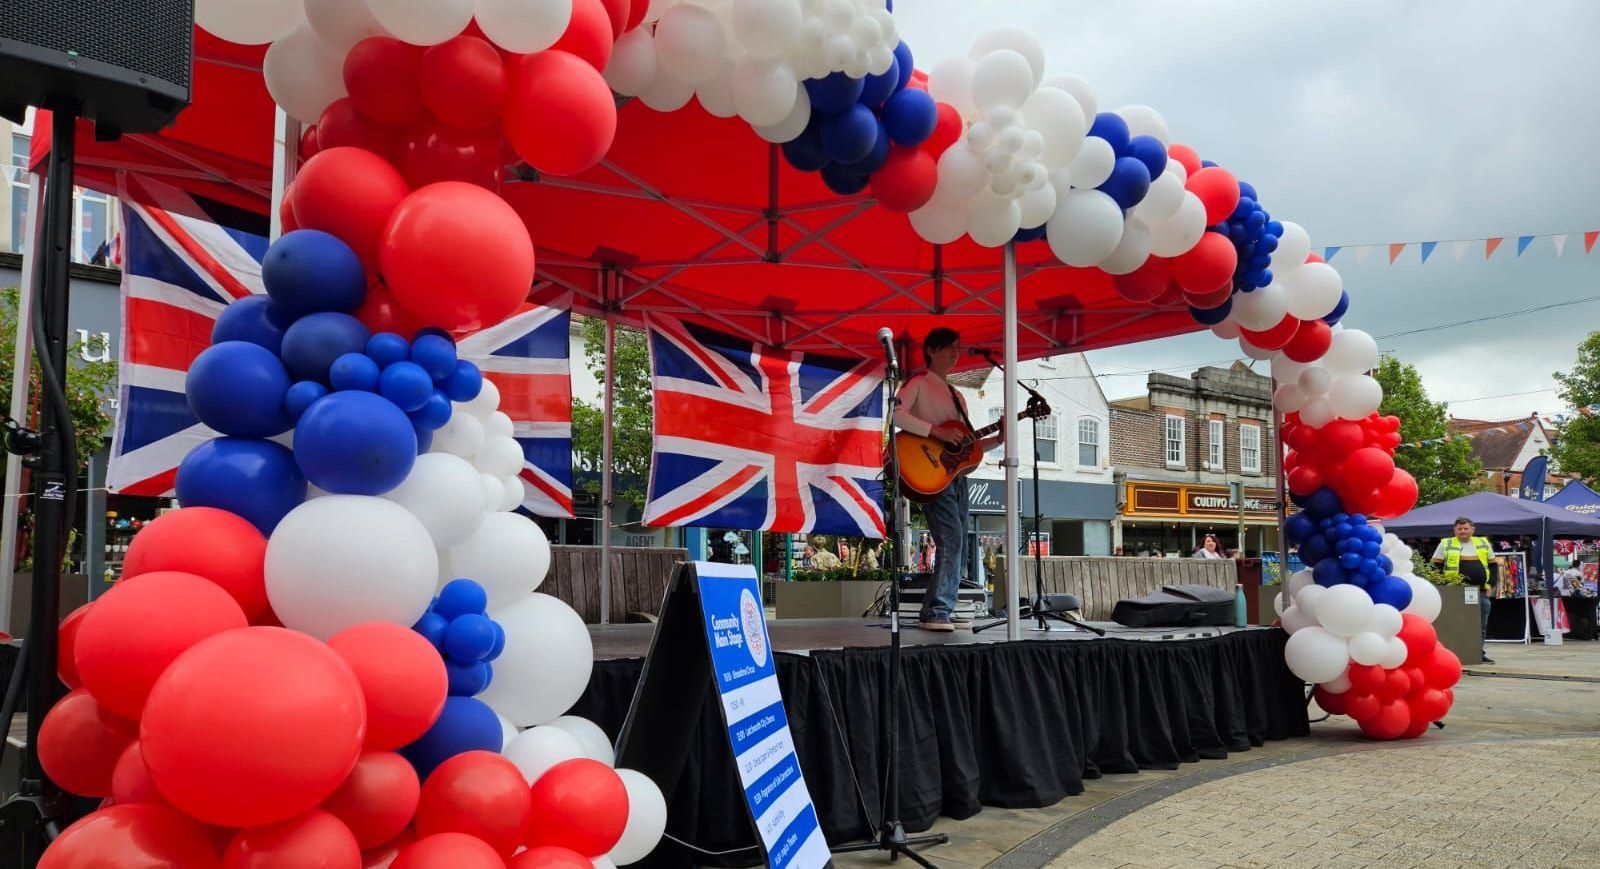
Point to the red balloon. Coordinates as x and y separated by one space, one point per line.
1418 725
1333 703
1430 705
379 798
549 858
1390 722
1207 266
1207 301
380 313
1398 495
1304 480
1396 685
286 210
308 143
1276 337
578 804
140 626
1419 637
479 793
1218 191
131 781
253 727
439 152
1368 502
209 543
560 114
464 83
1368 468
1172 295
1365 678
312 839
946 131
1310 341
1299 435
383 76
589 34
341 126
80 743
617 15
457 256
1340 438
1361 706
1184 155
350 193
1314 257
1444 669
403 680
138 836
66 665
636 13
448 851
1145 283
906 181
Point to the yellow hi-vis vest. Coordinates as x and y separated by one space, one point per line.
1452 556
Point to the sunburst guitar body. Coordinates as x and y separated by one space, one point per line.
928 465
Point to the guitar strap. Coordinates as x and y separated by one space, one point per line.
961 408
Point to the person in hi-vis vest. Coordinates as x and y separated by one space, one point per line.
1466 557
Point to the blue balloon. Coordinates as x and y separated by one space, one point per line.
843 181
424 439
1266 278
300 396
469 638
1111 127
910 116
354 371
387 348
1393 591
804 152
256 319
309 270
432 627
1350 561
1248 189
251 478
1267 244
354 443
1207 164
1370 550
1275 228
1337 314
499 642
461 597
834 93
874 159
237 388
1327 573
315 340
849 135
466 678
1129 182
1150 151
464 383
1299 527
407 384
877 88
1029 233
1211 316
1315 549
433 413
1386 564
1323 503
906 64
465 724
436 355
1244 209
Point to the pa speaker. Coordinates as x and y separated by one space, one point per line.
126 64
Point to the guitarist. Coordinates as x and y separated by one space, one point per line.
928 405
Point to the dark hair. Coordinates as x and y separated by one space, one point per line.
938 339
1462 520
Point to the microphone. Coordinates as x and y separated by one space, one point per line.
980 351
886 338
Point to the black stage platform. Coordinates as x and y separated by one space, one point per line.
985 721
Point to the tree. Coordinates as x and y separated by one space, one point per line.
1443 466
1577 444
631 412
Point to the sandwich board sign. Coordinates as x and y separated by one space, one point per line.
711 645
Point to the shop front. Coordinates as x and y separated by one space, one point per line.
1076 519
1172 519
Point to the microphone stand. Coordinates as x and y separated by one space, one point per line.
1040 609
892 838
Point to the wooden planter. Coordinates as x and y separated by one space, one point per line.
825 600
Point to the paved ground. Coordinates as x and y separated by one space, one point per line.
1513 780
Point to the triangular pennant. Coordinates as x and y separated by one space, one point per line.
1329 252
1588 240
1489 246
1361 253
1560 243
1427 250
1522 243
1461 249
1394 251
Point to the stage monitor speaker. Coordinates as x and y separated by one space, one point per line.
126 63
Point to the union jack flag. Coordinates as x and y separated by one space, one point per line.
181 270
750 436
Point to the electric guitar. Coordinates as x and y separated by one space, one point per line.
928 465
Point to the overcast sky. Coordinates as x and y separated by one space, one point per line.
1366 122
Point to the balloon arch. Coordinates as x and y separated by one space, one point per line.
283 673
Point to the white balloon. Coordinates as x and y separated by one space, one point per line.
1060 122
1037 205
961 175
766 28
1385 621
461 436
937 223
1079 87
1261 308
501 456
1317 412
1312 654
1394 654
790 128
632 68
1313 290
443 492
430 22
1308 598
1339 685
1085 229
1401 556
1294 245
666 93
647 818
1315 380
535 750
342 560
1145 121
494 491
303 74
1294 621
1162 200
1015 39
764 91
1351 352
981 136
487 400
1344 611
1425 600
513 494
950 81
508 555
1277 603
1180 232
603 863
1298 580
715 94
508 731
993 220
594 741
1132 250
1260 354
1368 648
521 26
1093 163
546 662
254 23
1289 398
339 23
1010 140
1354 396
1227 330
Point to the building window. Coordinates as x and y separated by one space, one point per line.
1047 438
17 178
94 227
1088 443
1175 455
1250 449
994 417
1214 444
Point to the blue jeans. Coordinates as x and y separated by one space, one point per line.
947 521
1485 605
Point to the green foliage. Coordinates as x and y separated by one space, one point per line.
631 411
1425 569
1443 470
1577 446
841 574
89 384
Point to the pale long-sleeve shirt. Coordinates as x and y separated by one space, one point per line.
927 400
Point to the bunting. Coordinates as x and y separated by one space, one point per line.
1459 246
